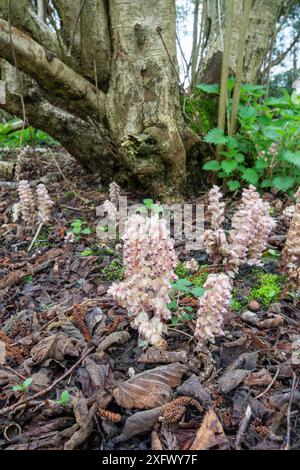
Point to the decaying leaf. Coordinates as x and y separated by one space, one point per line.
141 422
56 347
98 376
210 434
67 326
262 377
151 388
2 352
238 371
160 356
192 388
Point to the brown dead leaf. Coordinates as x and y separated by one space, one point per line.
192 388
156 356
140 423
151 388
56 347
262 377
2 352
210 434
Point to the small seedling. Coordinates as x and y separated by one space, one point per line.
79 227
64 398
23 387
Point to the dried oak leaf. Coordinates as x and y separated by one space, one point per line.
140 423
210 433
56 347
151 388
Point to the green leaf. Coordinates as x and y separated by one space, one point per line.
247 113
18 388
172 305
272 133
65 397
266 183
283 182
157 209
233 185
197 291
214 88
148 203
27 382
229 166
251 176
86 231
213 165
261 164
240 158
186 316
215 136
291 157
182 285
86 253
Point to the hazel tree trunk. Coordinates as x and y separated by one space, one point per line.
262 24
103 80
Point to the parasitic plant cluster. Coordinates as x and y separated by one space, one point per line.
290 257
44 204
251 227
212 307
28 201
114 192
149 259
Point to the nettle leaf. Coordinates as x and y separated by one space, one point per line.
266 183
283 182
231 142
291 157
213 165
250 175
272 132
255 90
214 88
215 136
261 164
229 166
233 185
240 158
247 113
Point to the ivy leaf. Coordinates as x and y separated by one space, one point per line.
283 182
229 166
251 176
213 165
215 136
233 185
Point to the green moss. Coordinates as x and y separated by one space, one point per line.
181 271
113 272
268 290
236 305
201 279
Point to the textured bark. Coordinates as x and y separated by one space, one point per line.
262 23
143 100
105 85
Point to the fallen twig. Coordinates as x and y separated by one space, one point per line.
27 400
288 432
270 384
243 426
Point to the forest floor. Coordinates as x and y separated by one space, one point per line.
89 385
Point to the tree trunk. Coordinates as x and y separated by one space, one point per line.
105 85
262 23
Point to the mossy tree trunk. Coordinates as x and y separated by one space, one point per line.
105 84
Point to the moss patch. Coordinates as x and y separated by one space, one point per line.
268 289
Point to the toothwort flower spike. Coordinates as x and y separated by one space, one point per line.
290 257
44 203
114 192
212 307
214 238
26 199
149 261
